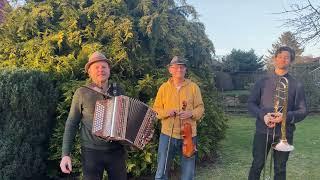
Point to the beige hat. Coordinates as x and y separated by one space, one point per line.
177 60
95 57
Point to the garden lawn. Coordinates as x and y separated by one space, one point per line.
235 155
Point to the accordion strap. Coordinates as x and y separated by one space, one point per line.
98 90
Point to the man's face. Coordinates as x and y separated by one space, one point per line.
282 60
99 72
178 70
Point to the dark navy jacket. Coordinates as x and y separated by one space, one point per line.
261 102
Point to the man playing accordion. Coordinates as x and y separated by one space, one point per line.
97 155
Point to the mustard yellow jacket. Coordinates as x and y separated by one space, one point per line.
170 98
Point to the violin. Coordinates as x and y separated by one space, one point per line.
188 148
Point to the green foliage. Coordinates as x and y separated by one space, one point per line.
240 65
143 162
27 108
139 36
239 61
211 130
63 107
213 126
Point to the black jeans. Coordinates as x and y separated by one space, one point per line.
94 162
258 152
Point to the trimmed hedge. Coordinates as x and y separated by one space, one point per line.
27 108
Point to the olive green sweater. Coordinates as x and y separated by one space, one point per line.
81 113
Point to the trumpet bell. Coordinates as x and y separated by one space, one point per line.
283 145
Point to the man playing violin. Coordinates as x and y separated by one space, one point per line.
179 105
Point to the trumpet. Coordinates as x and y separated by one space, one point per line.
280 106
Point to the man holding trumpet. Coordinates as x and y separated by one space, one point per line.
278 102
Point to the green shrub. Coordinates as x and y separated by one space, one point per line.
211 130
27 106
55 144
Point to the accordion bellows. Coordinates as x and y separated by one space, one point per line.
124 119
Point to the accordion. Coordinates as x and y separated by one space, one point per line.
124 119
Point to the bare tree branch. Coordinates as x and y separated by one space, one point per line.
305 21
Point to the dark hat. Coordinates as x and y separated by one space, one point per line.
95 57
177 60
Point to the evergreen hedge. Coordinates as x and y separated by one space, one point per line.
27 107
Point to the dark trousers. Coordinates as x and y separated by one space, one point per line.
94 162
258 152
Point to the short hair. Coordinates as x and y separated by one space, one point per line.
286 48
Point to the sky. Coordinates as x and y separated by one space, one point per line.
245 24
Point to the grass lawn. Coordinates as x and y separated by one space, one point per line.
235 156
236 92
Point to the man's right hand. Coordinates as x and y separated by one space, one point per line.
172 113
65 164
267 120
276 117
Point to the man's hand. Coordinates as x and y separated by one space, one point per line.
172 113
185 114
276 117
267 120
65 164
